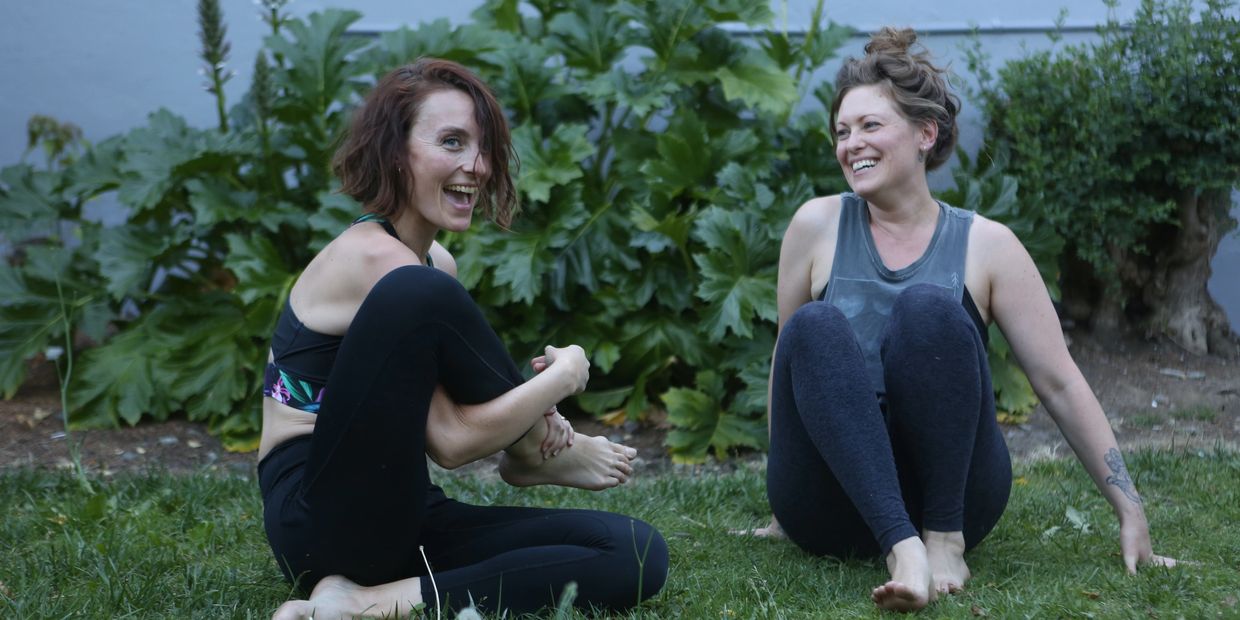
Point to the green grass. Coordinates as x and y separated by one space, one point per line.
1197 414
192 547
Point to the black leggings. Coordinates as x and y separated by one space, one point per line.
355 499
847 476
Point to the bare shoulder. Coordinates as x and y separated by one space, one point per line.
993 243
355 260
443 259
816 219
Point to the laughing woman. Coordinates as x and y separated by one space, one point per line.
883 433
381 358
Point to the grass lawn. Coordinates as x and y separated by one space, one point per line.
160 546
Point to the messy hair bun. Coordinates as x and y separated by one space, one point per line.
917 86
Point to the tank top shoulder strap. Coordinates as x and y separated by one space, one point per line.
850 242
387 226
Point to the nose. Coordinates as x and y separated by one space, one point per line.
854 142
476 163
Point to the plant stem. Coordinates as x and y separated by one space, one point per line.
75 452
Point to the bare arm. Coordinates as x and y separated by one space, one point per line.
1021 306
460 434
794 286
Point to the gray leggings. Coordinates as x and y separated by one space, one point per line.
847 476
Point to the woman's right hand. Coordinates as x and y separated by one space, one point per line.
571 361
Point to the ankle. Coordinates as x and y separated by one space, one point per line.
933 538
527 449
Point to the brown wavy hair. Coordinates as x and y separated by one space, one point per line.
369 159
918 87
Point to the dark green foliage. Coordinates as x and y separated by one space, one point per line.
1111 140
183 295
660 161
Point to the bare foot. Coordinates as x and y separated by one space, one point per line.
590 463
771 531
945 551
910 586
336 598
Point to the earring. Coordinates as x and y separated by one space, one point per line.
921 156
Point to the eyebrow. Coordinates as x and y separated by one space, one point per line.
452 129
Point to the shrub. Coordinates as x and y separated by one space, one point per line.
1129 147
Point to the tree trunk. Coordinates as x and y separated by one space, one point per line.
1182 307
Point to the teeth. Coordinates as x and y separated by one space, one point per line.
864 163
464 189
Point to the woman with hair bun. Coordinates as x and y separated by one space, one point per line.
883 433
381 358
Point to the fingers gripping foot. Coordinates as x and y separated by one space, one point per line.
590 463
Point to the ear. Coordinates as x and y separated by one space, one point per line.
927 135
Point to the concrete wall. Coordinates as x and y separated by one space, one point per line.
105 65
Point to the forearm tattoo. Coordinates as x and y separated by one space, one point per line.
1119 475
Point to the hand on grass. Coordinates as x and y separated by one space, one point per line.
1134 542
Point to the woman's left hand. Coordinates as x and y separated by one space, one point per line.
559 434
1134 542
559 431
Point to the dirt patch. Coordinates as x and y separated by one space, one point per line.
1154 395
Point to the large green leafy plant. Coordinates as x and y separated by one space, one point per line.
182 295
1130 147
661 157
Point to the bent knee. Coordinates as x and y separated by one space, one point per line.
815 321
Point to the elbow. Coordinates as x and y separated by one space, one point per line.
446 459
445 450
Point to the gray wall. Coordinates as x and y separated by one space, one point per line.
105 64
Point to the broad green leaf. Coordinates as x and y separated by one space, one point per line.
116 381
259 269
25 331
335 213
759 85
735 288
214 202
29 202
127 256
212 360
436 39
641 95
552 161
590 36
683 157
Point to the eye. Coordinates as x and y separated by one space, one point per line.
452 142
841 133
870 125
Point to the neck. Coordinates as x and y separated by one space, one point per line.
415 233
905 206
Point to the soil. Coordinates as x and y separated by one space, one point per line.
1154 394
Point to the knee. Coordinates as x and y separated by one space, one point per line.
817 324
415 291
929 315
650 553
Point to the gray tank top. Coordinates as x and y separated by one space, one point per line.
864 289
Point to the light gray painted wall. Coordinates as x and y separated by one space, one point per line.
105 65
